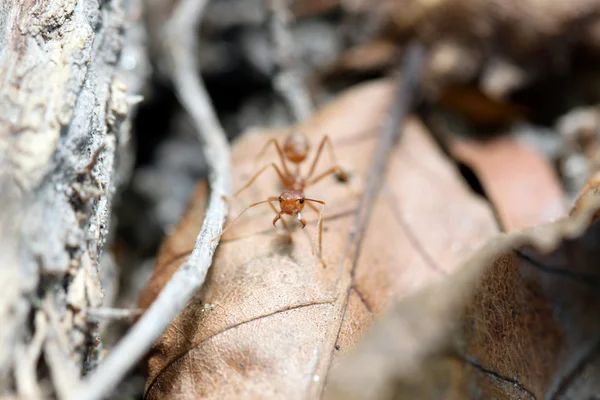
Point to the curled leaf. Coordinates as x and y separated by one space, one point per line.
521 184
518 321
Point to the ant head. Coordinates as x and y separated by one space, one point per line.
296 147
291 202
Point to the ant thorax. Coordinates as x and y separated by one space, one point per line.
297 183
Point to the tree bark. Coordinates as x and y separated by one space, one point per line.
70 72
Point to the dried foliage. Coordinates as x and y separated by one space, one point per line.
270 320
521 184
516 322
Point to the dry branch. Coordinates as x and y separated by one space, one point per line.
405 99
104 313
180 32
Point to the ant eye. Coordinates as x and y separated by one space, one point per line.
301 201
280 198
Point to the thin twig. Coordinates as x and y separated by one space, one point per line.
404 100
402 103
107 313
180 33
288 79
64 372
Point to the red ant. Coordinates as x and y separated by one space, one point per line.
292 200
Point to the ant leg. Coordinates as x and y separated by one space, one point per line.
319 225
341 173
263 169
279 151
330 171
242 213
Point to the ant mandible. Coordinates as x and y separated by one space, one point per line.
292 200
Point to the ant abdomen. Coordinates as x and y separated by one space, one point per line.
296 147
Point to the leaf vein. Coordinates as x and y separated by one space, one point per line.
233 326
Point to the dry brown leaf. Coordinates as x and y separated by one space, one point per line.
270 320
519 321
521 184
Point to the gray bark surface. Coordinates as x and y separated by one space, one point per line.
70 73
